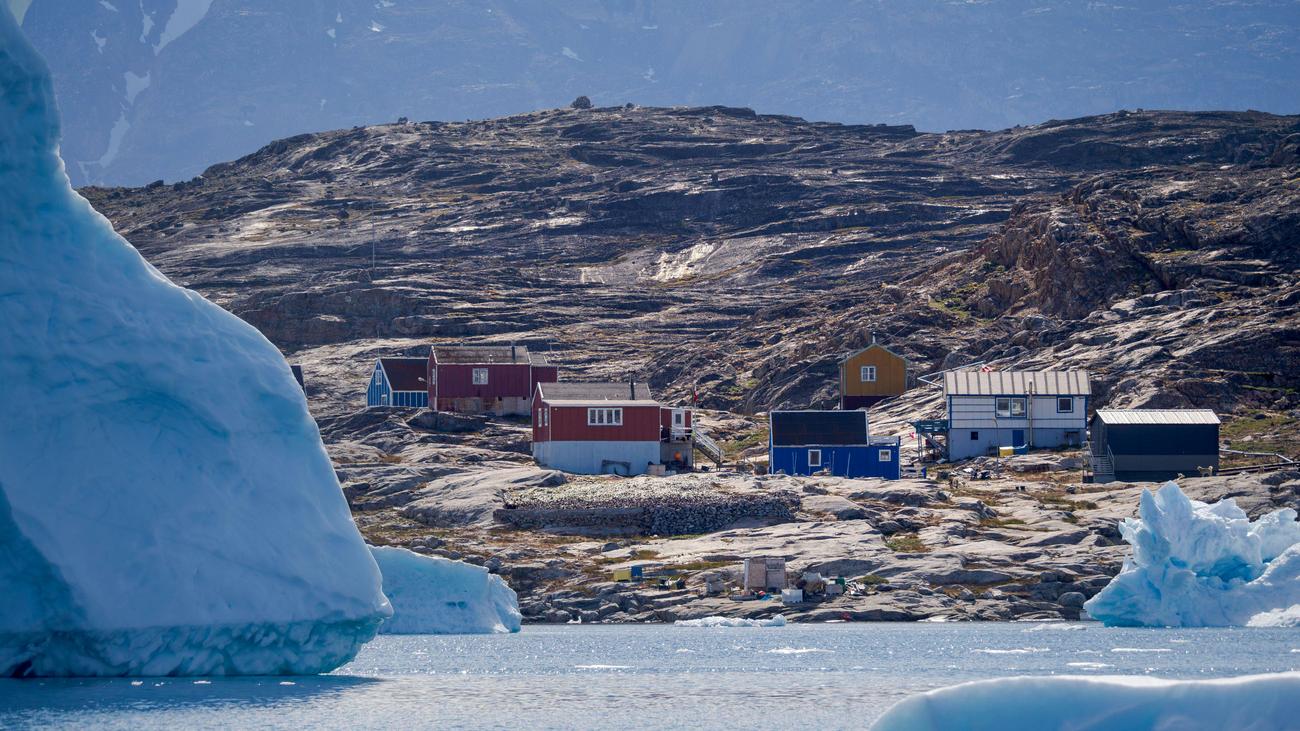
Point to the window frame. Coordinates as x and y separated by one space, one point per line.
474 377
811 463
974 435
868 373
885 455
604 416
1009 411
1064 399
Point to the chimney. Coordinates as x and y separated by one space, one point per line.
631 386
512 352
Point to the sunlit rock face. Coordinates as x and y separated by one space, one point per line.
166 505
1199 565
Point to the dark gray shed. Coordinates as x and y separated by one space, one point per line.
1151 445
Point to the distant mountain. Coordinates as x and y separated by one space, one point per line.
163 88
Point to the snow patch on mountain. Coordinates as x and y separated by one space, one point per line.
187 14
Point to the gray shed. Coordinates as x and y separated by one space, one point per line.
1151 445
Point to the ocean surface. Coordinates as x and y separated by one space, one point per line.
831 676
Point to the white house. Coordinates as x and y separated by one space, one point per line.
1030 409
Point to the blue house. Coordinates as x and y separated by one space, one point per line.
399 382
837 442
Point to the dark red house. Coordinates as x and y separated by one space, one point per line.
599 428
486 379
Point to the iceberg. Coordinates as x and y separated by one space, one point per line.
1101 703
438 596
166 504
777 621
1199 565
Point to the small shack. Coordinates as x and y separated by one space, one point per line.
1152 445
870 376
609 428
832 441
486 379
398 383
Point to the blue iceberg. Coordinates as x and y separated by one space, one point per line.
1258 702
166 504
432 595
1199 565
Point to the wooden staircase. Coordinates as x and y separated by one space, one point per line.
705 445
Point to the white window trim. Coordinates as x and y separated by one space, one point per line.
885 455
479 377
605 417
867 374
1011 401
1067 399
546 416
818 462
679 418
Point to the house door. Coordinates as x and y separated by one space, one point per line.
1017 437
679 423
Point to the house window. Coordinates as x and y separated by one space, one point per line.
814 458
604 417
546 416
679 418
480 376
974 436
1010 407
867 374
1065 404
886 455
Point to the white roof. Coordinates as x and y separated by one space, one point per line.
1157 416
1016 383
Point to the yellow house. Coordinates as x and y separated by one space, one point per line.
871 375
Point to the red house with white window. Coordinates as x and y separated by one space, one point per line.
486 379
603 428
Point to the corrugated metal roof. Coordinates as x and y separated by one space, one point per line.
486 354
1157 416
1015 383
406 374
577 392
799 428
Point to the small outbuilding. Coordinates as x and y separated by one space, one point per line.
870 376
1152 445
398 382
834 441
486 379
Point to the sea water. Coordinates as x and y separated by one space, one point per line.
834 676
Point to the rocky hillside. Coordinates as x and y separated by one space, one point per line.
742 254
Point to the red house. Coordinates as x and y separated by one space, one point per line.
599 428
486 379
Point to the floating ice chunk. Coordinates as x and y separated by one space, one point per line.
1201 565
166 505
777 621
1289 617
1258 702
432 595
797 651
